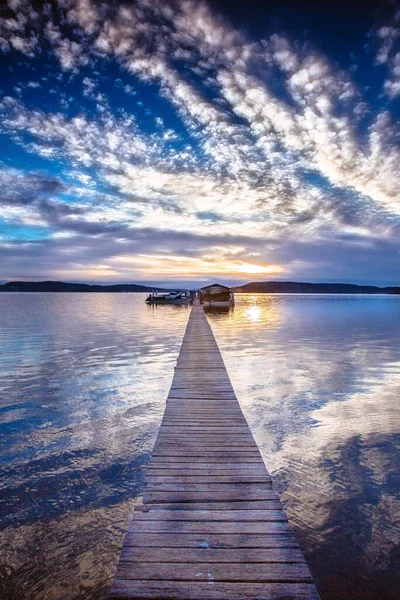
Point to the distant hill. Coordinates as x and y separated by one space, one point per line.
293 287
60 286
255 287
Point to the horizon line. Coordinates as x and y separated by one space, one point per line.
204 282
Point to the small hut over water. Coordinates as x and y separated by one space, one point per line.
217 295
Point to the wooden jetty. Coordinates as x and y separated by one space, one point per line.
210 525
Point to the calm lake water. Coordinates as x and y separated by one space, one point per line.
83 380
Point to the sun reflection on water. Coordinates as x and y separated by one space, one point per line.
257 312
253 313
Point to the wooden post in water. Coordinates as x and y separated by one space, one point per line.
210 525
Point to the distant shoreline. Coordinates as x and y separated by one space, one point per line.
260 287
62 287
294 287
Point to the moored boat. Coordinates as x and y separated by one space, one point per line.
175 297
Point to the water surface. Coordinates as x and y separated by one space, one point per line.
83 380
318 378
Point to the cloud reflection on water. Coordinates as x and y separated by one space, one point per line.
319 378
82 387
83 381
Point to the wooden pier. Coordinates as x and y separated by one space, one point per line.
210 525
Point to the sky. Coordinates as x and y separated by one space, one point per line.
188 141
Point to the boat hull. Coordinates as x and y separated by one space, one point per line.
160 302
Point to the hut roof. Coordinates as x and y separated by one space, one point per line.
215 285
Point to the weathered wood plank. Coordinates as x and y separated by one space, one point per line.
184 446
211 540
236 437
176 590
237 445
154 482
211 506
217 423
207 455
176 459
217 515
260 572
193 428
239 489
170 469
208 527
209 555
210 496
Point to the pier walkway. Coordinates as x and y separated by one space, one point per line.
210 525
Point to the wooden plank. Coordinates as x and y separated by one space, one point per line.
196 397
209 555
260 572
213 458
178 417
176 590
211 506
241 493
209 422
217 515
184 446
206 406
236 437
226 468
227 453
211 540
207 443
176 462
239 489
160 469
194 428
154 482
207 453
209 440
210 525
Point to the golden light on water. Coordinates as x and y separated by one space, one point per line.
258 311
253 313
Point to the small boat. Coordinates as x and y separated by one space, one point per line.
217 296
175 297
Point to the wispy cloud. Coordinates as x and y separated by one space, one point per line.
389 54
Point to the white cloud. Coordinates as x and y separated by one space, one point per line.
388 36
70 54
392 85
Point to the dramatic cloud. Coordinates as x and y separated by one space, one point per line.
156 139
389 54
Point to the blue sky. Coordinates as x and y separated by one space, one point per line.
187 141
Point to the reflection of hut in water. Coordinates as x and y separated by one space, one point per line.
216 295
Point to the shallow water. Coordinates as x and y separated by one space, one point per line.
83 380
